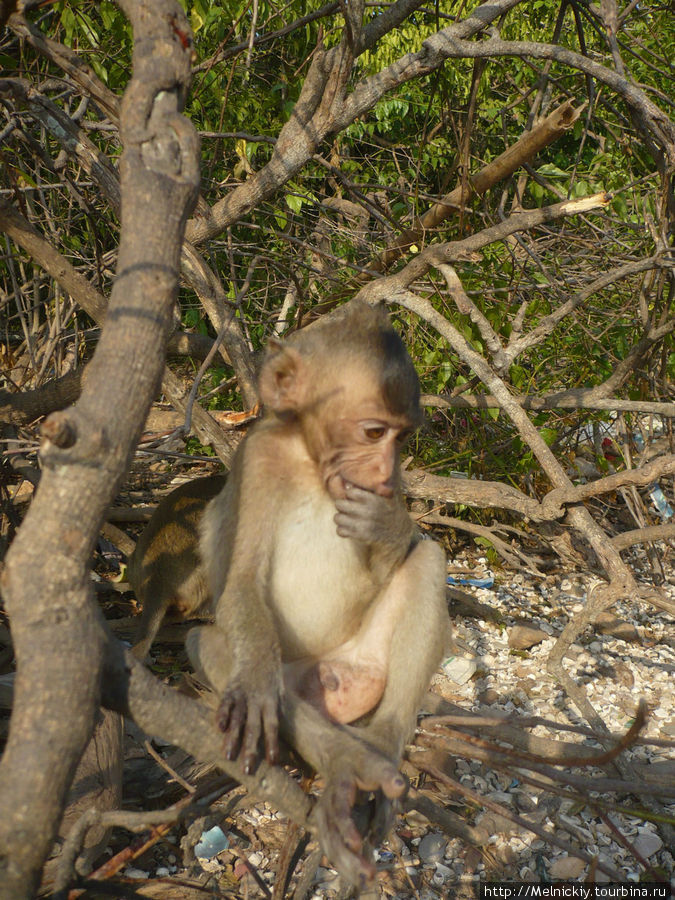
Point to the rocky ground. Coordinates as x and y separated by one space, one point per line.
505 629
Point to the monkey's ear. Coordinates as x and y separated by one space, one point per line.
282 384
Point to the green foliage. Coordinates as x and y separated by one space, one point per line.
437 361
416 143
194 447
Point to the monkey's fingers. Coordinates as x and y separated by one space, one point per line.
271 731
351 519
382 819
341 798
356 493
243 721
251 739
231 718
262 719
394 785
363 515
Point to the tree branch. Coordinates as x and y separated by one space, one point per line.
56 627
94 304
579 398
525 149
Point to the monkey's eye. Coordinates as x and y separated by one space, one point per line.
403 436
375 432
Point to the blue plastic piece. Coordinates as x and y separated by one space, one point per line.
486 582
211 843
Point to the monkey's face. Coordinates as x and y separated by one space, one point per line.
358 442
366 457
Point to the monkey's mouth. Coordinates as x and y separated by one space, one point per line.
338 487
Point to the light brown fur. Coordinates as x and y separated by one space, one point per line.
328 606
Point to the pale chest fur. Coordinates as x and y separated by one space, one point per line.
320 583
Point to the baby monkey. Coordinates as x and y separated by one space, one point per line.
324 597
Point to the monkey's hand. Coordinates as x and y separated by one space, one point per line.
249 709
372 519
250 686
347 819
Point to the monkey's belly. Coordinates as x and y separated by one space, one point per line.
320 586
342 690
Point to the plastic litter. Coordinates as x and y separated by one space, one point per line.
664 508
486 582
211 843
458 668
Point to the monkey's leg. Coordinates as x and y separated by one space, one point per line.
411 619
415 599
349 765
187 598
210 654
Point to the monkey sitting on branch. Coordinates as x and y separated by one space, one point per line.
328 607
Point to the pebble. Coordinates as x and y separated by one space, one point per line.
606 623
442 874
488 697
431 848
573 588
502 797
522 637
135 873
566 867
647 843
493 823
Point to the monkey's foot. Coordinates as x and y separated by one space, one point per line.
347 819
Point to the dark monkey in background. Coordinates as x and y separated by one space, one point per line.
324 596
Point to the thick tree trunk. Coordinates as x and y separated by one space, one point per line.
56 627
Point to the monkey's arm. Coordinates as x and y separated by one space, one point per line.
240 655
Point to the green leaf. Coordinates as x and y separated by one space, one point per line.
581 189
620 206
549 435
549 170
294 202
